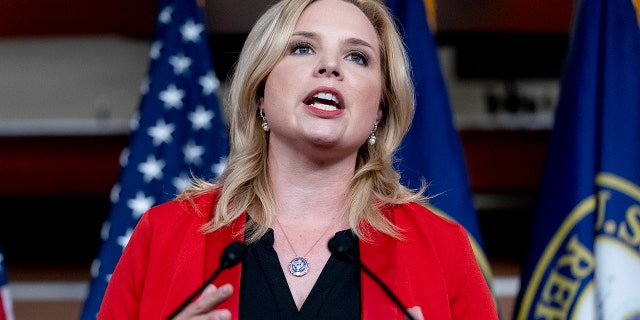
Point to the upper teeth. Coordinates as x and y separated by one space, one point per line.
326 96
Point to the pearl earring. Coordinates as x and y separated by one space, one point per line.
372 135
265 125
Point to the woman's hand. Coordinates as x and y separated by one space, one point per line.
416 313
209 299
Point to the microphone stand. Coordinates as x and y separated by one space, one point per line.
387 291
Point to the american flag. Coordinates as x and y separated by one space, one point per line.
6 303
178 132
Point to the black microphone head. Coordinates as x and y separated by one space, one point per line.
341 248
233 254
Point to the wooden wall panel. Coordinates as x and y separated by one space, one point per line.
508 161
20 18
59 165
497 161
55 17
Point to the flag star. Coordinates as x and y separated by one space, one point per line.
144 86
182 182
209 83
114 196
134 123
107 278
104 231
140 204
155 50
217 168
151 169
161 132
193 153
191 31
124 157
165 15
201 118
95 268
180 63
172 97
123 240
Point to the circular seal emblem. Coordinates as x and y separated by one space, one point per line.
591 267
299 266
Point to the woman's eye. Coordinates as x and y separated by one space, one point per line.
301 49
358 58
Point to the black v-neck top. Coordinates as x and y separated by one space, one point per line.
265 294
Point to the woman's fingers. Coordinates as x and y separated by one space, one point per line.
202 308
416 313
223 314
211 297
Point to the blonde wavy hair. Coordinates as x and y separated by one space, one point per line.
244 184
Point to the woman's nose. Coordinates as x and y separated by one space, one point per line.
328 69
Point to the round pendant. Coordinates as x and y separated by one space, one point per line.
299 266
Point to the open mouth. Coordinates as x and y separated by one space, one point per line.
324 101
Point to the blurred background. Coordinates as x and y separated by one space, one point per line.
70 77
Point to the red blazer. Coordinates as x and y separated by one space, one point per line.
167 259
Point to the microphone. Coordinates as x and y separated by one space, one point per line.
344 249
231 255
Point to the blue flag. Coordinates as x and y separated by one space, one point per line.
432 148
178 133
584 255
6 302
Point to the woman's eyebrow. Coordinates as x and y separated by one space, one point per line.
358 42
350 41
306 34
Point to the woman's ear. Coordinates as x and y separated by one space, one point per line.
380 114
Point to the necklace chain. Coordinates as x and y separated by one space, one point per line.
299 266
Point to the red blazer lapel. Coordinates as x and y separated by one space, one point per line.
215 244
187 275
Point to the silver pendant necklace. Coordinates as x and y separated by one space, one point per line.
300 266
